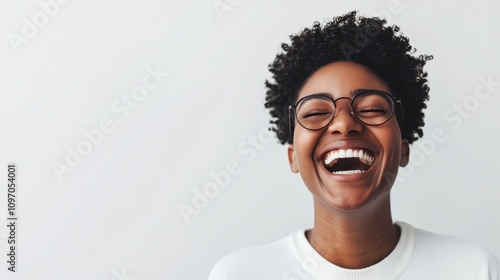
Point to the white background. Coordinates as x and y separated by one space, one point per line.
116 215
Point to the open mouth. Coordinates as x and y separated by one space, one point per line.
349 161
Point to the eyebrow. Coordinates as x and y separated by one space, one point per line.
354 92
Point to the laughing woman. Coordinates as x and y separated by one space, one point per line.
347 98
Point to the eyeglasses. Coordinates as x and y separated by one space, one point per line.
371 107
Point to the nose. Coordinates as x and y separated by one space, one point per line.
344 122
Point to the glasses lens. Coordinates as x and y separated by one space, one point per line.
315 112
373 107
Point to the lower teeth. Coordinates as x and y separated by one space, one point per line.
348 172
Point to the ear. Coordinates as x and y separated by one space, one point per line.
292 159
405 153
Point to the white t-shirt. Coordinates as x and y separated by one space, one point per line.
418 255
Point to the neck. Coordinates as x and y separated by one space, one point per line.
353 240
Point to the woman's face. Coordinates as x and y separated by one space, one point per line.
373 179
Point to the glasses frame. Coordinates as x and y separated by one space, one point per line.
398 109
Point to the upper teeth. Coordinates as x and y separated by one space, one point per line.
349 153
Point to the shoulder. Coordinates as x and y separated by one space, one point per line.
256 261
449 245
444 253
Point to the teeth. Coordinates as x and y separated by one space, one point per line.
342 154
348 172
349 153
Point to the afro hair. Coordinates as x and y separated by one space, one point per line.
367 41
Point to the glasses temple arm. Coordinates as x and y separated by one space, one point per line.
401 119
291 120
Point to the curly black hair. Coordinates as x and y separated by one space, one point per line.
367 41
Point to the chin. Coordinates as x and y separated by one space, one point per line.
352 199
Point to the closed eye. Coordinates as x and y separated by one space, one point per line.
372 112
316 117
309 115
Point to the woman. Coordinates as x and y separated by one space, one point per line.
347 98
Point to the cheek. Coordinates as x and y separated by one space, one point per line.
392 146
305 143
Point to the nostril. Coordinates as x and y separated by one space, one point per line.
351 132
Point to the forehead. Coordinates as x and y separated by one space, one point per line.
342 79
